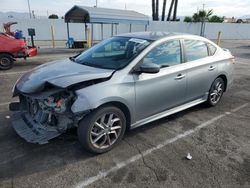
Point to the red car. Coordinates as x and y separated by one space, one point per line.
11 48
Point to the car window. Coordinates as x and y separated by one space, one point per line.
167 54
212 48
111 49
195 50
114 53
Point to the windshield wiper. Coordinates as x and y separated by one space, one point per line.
72 59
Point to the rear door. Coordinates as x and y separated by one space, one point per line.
202 69
157 92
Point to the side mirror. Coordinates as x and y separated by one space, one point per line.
148 67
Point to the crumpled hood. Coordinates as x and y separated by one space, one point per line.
62 73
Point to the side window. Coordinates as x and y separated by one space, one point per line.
167 54
195 49
212 49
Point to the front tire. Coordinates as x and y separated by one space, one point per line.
216 91
6 61
102 129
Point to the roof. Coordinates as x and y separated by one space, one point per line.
150 35
83 14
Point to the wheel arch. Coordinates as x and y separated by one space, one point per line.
124 108
224 78
7 53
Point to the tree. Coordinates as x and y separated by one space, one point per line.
157 10
188 19
53 16
153 9
196 17
200 16
204 15
170 10
216 19
163 10
175 10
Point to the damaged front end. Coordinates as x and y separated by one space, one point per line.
46 96
44 116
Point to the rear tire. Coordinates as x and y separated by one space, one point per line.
216 91
6 61
102 129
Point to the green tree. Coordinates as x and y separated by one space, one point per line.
188 19
53 16
216 19
202 15
196 18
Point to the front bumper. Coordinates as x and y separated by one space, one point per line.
31 131
31 51
26 52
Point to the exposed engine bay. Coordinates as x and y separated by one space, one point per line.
52 112
47 115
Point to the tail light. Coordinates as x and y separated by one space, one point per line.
232 60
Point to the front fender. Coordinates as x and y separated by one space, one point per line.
84 103
92 97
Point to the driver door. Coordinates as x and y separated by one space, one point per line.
166 89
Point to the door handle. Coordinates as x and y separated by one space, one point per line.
180 76
211 68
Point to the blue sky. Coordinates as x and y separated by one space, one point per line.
186 7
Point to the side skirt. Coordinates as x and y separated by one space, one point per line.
169 112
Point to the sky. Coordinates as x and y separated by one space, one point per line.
226 8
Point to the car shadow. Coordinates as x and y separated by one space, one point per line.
165 120
29 158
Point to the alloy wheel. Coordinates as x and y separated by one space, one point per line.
217 92
105 131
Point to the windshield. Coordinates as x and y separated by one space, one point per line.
114 53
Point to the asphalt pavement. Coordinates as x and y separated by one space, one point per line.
218 138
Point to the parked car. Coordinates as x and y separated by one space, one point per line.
13 46
242 20
121 83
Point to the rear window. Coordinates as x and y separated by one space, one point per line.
195 50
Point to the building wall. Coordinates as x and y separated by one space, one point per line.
77 31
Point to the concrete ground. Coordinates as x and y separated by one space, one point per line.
218 139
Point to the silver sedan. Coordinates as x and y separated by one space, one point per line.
121 83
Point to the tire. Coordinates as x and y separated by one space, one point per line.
6 61
216 91
97 134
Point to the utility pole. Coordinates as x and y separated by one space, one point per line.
203 23
29 8
96 3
